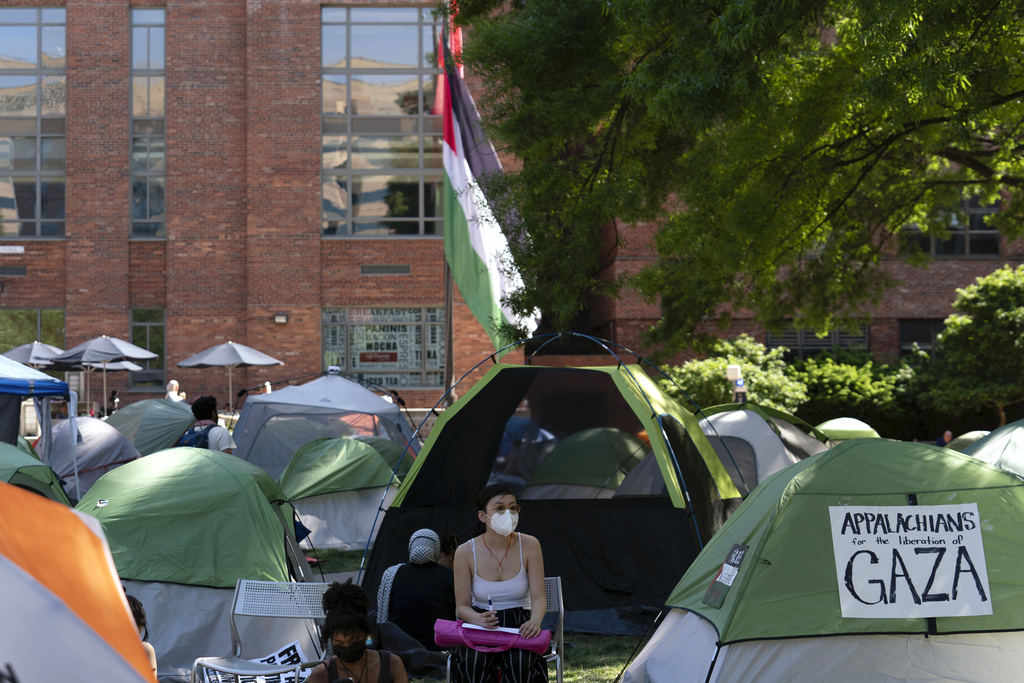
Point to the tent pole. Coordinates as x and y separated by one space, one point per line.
449 328
104 388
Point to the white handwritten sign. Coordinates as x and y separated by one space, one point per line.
290 654
913 561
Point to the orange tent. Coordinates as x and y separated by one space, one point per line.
65 616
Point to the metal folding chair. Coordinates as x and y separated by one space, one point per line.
553 597
271 599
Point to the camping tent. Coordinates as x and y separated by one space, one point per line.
20 469
65 615
153 424
19 381
271 427
843 428
337 486
618 556
875 560
183 525
591 463
1003 447
754 442
966 439
99 449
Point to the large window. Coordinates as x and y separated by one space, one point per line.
25 325
149 332
969 235
394 347
803 343
920 331
33 99
381 144
148 124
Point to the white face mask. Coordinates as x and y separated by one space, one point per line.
504 523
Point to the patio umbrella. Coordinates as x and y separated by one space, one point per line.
102 350
36 354
229 355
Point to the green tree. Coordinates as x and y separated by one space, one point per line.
703 382
782 148
852 384
979 357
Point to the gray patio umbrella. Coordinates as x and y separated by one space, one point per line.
229 355
102 350
37 354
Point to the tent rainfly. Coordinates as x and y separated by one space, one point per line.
153 424
876 560
21 469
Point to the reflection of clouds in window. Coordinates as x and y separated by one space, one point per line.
18 47
384 95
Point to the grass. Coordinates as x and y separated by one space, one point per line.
332 561
590 659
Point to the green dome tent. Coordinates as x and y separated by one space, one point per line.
183 526
875 560
21 469
588 464
153 424
966 439
618 556
337 486
843 428
1003 447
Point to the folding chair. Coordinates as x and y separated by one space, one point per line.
553 597
272 599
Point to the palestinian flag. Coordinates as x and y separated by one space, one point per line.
474 245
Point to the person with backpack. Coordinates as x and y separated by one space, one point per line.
207 433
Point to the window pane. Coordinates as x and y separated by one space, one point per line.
431 105
156 48
17 126
147 315
52 196
333 46
18 96
18 326
397 196
156 96
52 126
54 154
431 42
385 47
24 197
385 14
148 16
51 229
140 336
434 200
139 204
156 198
156 154
140 47
17 153
147 229
381 227
384 95
956 245
148 127
334 152
52 324
335 93
140 154
55 96
335 199
53 47
394 124
140 96
19 47
432 151
433 227
17 16
984 243
54 15
156 345
385 152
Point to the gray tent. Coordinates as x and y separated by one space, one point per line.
98 449
272 427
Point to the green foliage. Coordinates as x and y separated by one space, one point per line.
979 358
782 148
705 384
848 384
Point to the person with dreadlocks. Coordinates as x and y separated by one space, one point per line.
414 595
347 626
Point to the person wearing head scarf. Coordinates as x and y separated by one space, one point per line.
415 594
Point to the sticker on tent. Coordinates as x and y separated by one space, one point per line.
910 562
715 594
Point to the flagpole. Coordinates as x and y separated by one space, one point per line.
449 328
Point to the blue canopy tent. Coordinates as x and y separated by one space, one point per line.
17 382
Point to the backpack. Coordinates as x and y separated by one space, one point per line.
196 438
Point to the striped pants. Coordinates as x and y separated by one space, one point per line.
511 666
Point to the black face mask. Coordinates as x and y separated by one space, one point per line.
351 653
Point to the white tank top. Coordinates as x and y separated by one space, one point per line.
504 594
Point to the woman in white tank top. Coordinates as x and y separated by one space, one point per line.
499 581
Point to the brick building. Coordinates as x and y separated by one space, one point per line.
185 173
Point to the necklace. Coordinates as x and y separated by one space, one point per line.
359 678
495 556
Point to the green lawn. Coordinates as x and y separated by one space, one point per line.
332 561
